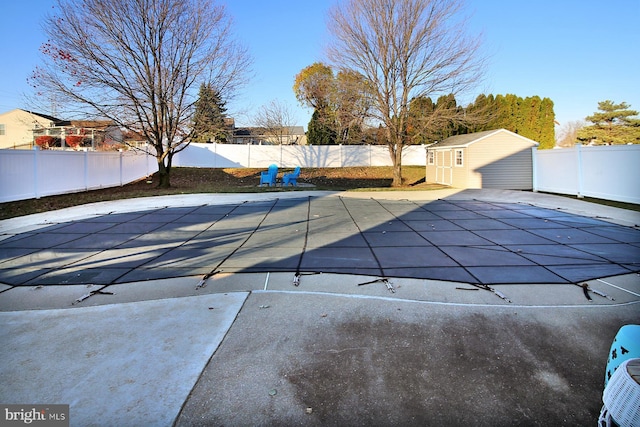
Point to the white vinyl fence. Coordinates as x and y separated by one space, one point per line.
28 174
605 172
289 156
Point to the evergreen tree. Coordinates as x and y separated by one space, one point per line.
530 117
420 109
319 132
481 106
547 138
613 124
208 119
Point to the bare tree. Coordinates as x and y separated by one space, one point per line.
140 63
404 49
276 121
568 133
352 100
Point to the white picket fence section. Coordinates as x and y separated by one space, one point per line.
606 172
609 172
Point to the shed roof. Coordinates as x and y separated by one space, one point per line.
460 141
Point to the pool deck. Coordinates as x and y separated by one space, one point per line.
417 308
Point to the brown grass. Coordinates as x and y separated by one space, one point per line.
230 180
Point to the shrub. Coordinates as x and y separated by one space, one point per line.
45 141
74 140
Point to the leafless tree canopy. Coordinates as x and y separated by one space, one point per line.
568 133
140 63
275 119
405 49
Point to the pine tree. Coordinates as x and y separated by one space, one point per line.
446 104
613 124
319 132
420 109
481 105
208 119
546 125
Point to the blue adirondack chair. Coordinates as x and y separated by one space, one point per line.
291 178
269 177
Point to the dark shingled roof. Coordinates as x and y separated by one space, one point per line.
44 116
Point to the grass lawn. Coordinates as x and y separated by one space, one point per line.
231 180
244 180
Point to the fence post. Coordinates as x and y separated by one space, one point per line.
121 166
579 162
534 168
146 158
86 169
35 172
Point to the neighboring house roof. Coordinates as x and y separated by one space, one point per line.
92 124
95 124
242 131
296 130
462 141
258 131
44 116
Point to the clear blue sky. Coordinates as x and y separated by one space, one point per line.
576 52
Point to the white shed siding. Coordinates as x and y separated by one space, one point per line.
500 161
491 159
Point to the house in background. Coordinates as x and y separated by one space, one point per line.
490 159
22 129
16 127
81 134
288 135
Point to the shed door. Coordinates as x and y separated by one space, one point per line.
444 161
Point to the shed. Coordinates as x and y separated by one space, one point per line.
490 159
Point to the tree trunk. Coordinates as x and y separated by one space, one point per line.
396 157
163 175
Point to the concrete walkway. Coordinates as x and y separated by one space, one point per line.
479 313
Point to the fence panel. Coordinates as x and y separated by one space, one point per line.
17 175
414 155
100 170
612 173
228 156
308 156
604 172
59 172
136 165
556 171
28 174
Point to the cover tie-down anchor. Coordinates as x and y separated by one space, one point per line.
381 280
